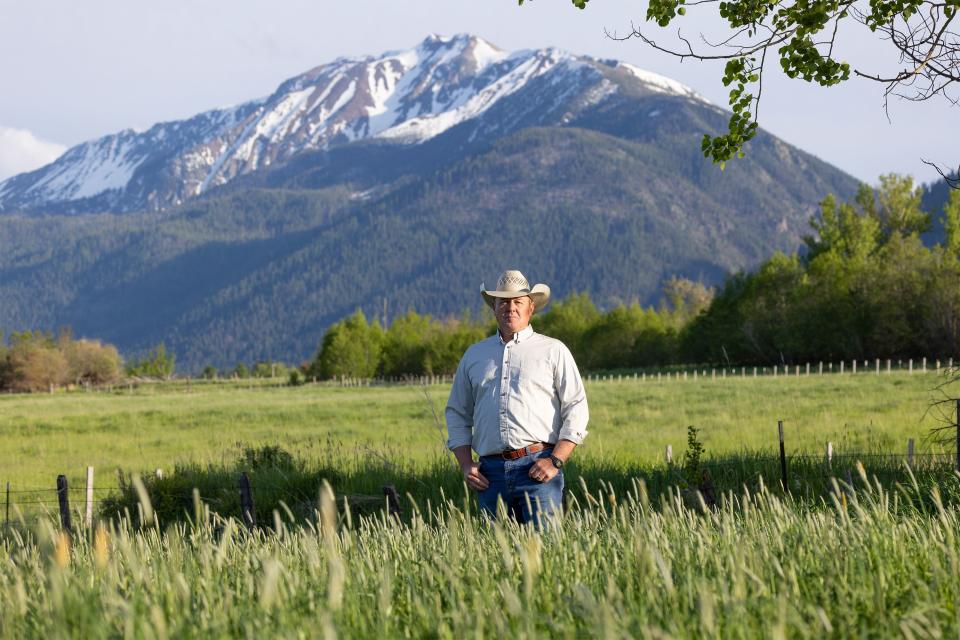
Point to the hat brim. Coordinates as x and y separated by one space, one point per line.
540 294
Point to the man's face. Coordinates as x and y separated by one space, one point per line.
513 314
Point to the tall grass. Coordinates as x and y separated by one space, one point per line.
864 562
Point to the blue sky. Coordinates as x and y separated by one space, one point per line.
71 71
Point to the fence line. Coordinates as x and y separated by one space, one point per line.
673 373
680 372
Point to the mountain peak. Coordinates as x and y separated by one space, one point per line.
407 97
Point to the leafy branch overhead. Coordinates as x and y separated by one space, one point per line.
803 34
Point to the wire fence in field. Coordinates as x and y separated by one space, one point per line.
25 505
674 373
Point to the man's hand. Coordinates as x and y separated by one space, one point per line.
543 470
473 477
470 469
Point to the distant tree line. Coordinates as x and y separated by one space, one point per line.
38 361
158 363
412 345
864 285
415 344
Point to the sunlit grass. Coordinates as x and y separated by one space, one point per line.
158 426
868 562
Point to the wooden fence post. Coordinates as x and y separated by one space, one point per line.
888 365
89 509
783 457
64 503
910 452
820 372
923 367
842 363
878 366
829 454
668 454
808 369
854 365
911 365
393 499
247 507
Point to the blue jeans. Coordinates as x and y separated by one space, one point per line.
526 499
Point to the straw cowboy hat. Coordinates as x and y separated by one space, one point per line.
512 284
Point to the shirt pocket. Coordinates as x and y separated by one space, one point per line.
537 374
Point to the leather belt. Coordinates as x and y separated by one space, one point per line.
523 451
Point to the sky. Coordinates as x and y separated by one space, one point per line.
73 71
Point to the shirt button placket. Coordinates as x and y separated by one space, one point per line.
504 385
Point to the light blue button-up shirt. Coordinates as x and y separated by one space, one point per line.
508 395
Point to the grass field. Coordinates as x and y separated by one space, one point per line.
158 426
635 555
871 563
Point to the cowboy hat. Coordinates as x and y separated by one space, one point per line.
512 284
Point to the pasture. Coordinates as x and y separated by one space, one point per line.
635 556
159 426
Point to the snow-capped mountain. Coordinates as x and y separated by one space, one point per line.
461 83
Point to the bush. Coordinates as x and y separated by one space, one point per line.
91 363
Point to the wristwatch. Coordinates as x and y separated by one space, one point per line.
557 462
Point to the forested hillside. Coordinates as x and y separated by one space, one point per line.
865 287
259 273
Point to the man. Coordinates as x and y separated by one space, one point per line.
518 401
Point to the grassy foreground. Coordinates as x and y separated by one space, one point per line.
870 563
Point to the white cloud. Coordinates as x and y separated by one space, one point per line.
22 151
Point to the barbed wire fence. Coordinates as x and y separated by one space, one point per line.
52 501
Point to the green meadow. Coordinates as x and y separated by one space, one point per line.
155 426
850 551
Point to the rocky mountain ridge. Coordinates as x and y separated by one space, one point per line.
403 97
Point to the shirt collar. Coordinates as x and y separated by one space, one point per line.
517 337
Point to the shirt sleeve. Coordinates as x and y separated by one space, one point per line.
574 413
459 411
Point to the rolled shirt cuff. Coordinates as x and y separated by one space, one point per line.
573 434
458 439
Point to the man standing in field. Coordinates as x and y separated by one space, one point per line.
518 401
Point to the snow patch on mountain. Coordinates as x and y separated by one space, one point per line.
408 97
660 83
92 169
467 105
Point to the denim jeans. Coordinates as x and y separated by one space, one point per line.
525 499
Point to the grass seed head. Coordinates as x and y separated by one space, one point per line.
101 547
61 551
